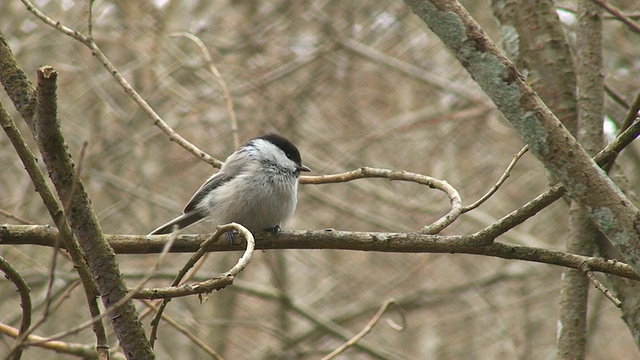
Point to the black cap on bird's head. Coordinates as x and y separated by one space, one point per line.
287 147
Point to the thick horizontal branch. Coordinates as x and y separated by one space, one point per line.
333 239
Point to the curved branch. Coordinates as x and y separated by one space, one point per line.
25 302
501 181
603 289
367 172
213 284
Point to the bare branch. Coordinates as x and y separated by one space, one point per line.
113 308
366 172
57 214
16 84
97 52
248 253
618 15
556 192
201 344
630 117
501 181
583 234
225 89
187 289
367 329
608 294
83 351
16 217
25 302
84 222
202 250
551 143
415 242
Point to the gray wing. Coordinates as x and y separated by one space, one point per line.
191 214
232 167
212 183
180 222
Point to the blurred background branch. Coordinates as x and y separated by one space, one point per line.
353 84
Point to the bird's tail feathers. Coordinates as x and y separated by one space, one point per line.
180 222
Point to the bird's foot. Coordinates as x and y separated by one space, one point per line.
231 237
273 230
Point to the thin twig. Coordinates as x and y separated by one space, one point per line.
501 181
90 20
520 215
617 98
225 89
97 52
248 253
618 15
367 329
81 351
630 117
199 343
16 217
50 281
240 265
586 269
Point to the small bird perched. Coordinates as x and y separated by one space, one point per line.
257 187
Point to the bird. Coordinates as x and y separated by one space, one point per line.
256 187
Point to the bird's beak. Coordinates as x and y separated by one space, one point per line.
303 168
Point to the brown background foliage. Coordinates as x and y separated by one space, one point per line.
292 67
